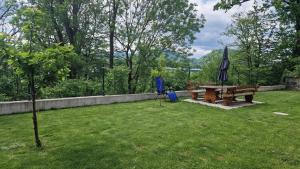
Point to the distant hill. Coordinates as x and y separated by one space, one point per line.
218 53
173 59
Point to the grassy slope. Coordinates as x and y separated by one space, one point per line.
144 135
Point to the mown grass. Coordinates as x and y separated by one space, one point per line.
145 135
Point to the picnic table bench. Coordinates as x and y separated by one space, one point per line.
230 94
195 93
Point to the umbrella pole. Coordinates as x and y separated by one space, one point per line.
222 90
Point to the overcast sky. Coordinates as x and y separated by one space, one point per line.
216 22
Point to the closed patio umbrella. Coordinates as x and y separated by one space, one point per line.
223 69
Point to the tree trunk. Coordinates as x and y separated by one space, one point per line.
130 77
112 24
129 66
111 49
34 116
17 87
136 80
71 25
297 47
249 64
130 82
55 25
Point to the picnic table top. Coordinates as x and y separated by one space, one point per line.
216 87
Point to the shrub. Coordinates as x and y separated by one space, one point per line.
72 88
116 80
3 97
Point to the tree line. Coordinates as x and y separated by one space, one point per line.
265 46
85 39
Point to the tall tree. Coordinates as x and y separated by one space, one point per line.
288 12
114 5
145 26
80 23
37 65
254 34
33 60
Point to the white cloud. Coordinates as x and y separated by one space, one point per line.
216 22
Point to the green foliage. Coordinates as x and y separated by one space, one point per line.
31 21
177 80
238 73
46 67
47 28
161 67
228 4
295 73
287 20
3 98
116 80
209 68
13 87
261 46
176 76
151 38
6 48
154 26
54 62
71 88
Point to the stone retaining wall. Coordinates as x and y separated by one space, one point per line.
270 88
46 104
293 83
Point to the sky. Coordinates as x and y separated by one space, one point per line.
210 37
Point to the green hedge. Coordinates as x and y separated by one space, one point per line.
72 88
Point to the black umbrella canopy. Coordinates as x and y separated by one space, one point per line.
224 67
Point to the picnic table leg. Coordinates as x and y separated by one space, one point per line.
227 101
249 98
234 98
218 95
194 95
210 95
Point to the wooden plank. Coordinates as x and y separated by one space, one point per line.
197 91
216 87
238 94
244 94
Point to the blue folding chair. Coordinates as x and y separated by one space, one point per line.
160 88
172 96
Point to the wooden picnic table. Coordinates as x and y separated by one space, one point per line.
212 92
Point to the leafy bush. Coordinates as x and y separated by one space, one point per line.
72 88
296 72
175 79
116 80
3 97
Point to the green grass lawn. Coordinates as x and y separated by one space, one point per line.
145 135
